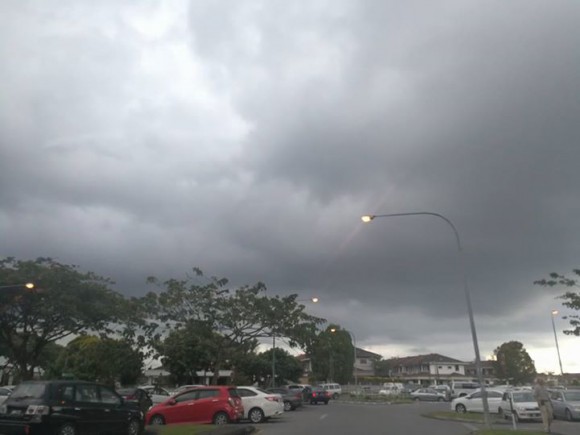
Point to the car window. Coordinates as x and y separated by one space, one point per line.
109 397
495 394
87 393
160 392
571 396
246 393
475 395
185 397
204 394
233 392
66 393
26 391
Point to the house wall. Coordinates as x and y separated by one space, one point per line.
446 369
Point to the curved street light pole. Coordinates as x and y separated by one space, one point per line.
478 369
555 313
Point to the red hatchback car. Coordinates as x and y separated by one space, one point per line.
213 404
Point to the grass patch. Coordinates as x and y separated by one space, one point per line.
475 417
182 429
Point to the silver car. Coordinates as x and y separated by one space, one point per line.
428 394
566 404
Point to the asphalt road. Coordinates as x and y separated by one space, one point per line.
339 418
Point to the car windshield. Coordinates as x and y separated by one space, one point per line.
28 391
572 396
523 397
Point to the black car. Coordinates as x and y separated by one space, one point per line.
292 398
137 395
68 408
319 394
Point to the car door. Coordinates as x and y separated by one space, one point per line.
473 402
249 400
87 406
116 416
207 404
558 403
182 410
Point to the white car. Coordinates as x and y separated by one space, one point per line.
260 405
473 402
522 403
185 387
157 394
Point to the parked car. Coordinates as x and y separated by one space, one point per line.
4 393
428 394
319 394
391 389
157 394
335 390
463 388
216 404
566 404
474 403
292 398
137 395
260 405
521 404
68 408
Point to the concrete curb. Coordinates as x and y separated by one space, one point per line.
228 429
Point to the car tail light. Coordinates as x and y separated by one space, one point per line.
231 401
272 398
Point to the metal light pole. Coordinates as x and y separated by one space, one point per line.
369 218
555 313
314 300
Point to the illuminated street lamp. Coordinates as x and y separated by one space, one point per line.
555 313
28 285
369 218
333 330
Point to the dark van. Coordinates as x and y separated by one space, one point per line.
68 408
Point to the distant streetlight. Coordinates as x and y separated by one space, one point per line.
369 218
314 300
333 330
555 313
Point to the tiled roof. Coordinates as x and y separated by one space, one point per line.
361 353
423 359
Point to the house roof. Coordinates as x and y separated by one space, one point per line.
423 359
361 353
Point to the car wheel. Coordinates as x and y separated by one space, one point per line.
67 429
220 418
134 427
335 396
256 415
569 415
460 408
287 406
157 420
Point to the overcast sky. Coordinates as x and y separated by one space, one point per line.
247 138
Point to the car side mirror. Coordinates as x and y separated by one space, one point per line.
172 401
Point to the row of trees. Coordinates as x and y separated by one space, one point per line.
190 325
194 324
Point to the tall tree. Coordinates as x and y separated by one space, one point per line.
514 364
571 297
240 316
332 355
65 302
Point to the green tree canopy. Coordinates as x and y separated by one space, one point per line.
105 360
571 297
332 355
514 364
240 316
64 302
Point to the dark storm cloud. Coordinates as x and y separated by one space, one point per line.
248 137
